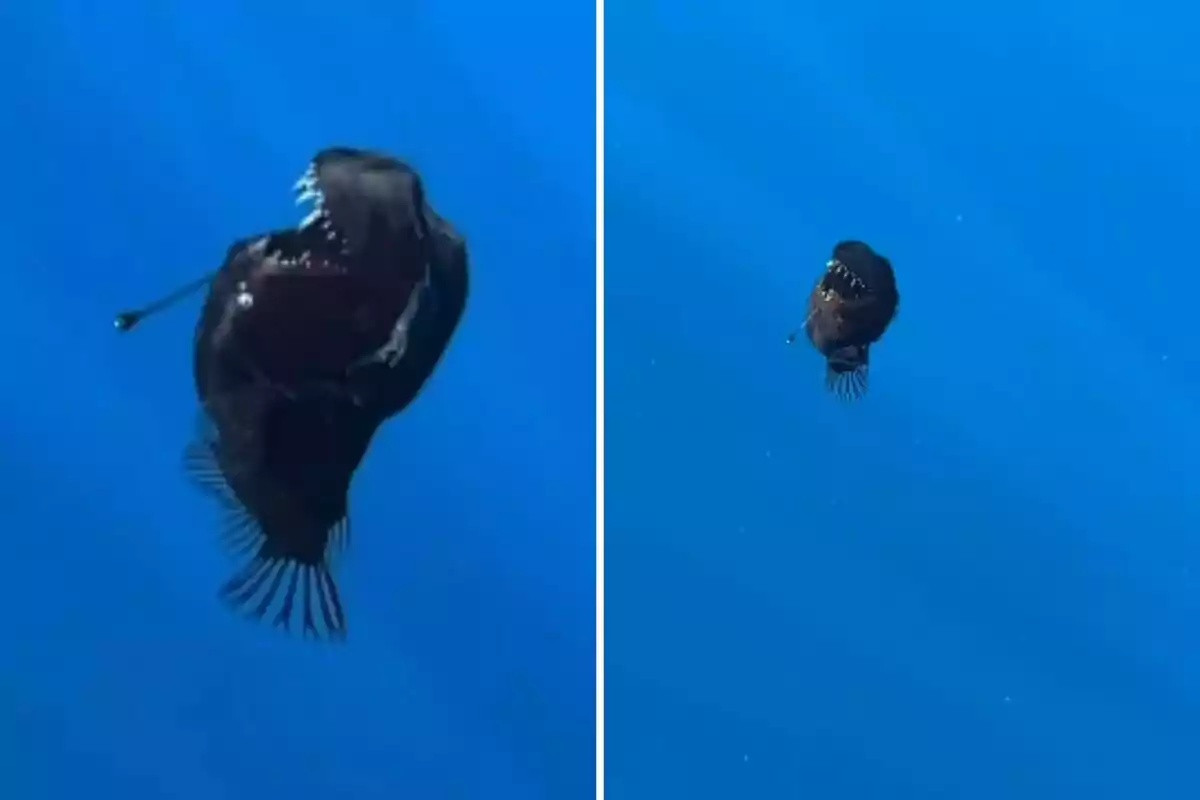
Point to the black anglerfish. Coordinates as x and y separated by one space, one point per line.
849 309
309 340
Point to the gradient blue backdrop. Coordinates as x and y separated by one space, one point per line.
139 139
983 581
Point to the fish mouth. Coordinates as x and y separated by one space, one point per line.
360 207
317 242
317 245
841 282
368 202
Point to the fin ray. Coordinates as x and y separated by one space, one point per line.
847 386
269 577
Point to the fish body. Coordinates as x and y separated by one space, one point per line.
308 341
849 309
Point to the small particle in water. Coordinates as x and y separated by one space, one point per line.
958 218
745 757
1007 699
653 362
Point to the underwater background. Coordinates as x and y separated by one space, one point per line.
140 139
983 580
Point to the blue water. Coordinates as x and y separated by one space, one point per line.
984 580
139 140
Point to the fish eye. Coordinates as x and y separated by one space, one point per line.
245 301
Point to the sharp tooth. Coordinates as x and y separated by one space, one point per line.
307 179
307 194
312 217
331 236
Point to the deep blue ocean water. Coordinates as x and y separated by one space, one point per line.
983 581
139 140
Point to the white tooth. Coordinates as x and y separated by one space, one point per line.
312 217
307 179
308 194
331 236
